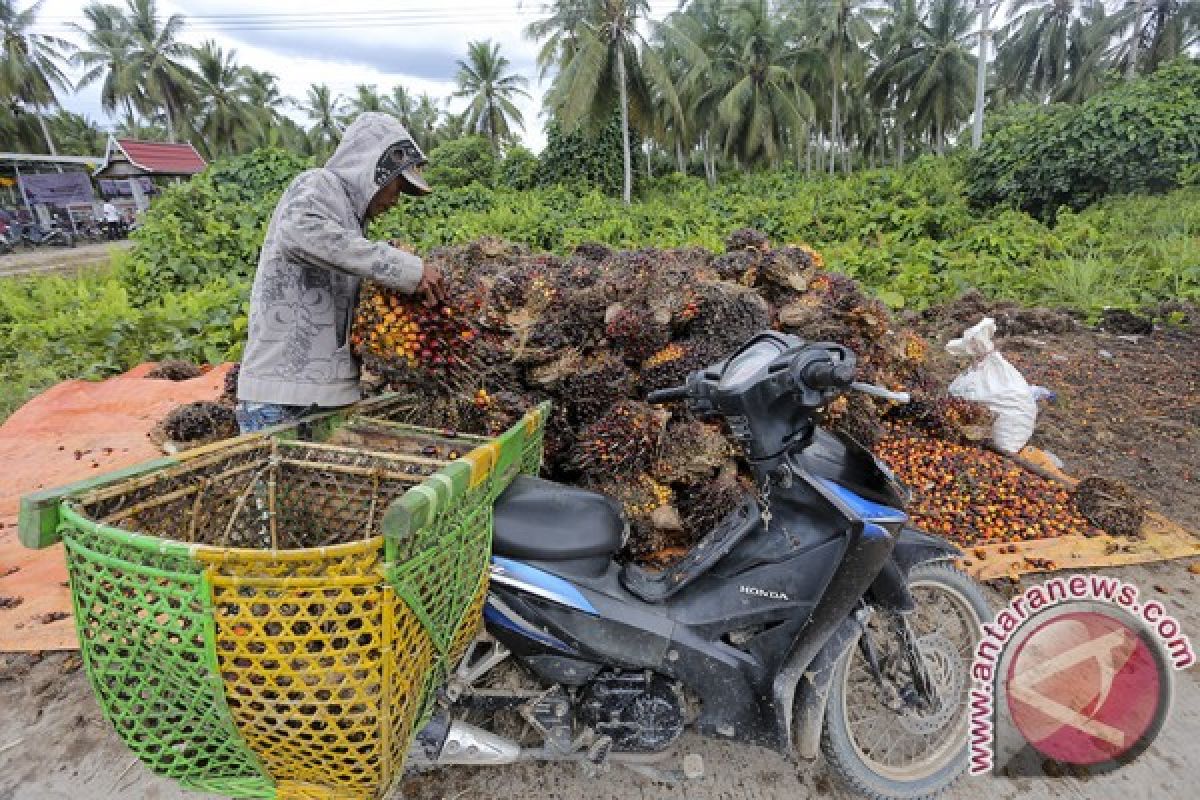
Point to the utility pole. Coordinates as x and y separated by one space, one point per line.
985 33
1131 70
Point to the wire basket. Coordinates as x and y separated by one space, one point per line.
270 619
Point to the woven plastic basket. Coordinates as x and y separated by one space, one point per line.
271 618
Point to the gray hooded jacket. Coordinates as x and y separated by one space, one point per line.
306 286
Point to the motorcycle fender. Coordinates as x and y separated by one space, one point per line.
890 588
917 547
801 690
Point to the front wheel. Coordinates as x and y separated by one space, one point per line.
883 736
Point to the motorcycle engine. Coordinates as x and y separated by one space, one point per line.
641 712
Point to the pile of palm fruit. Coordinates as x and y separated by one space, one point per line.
597 330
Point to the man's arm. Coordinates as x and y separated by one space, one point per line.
310 233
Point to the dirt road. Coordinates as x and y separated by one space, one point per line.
55 745
59 259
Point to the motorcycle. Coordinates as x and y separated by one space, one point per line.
35 235
812 619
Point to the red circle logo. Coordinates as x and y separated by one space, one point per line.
1086 688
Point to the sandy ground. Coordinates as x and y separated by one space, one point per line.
65 260
54 744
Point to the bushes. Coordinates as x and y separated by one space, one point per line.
1138 137
910 235
53 328
210 228
461 162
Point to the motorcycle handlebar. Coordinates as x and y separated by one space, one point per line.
827 375
667 395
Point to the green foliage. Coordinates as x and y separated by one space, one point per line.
519 168
910 235
1137 137
587 158
461 162
54 328
210 228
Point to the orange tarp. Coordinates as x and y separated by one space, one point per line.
72 431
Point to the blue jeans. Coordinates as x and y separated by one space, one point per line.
252 417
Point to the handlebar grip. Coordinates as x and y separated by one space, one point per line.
667 395
827 375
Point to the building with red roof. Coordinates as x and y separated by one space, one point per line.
127 158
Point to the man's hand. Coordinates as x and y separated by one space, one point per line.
432 288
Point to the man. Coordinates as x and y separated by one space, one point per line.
297 357
112 220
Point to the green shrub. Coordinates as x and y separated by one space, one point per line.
53 328
461 162
519 169
1142 136
209 228
588 158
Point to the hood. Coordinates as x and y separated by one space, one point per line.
364 160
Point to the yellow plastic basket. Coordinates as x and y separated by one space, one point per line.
271 618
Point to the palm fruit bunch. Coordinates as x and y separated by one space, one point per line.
945 417
692 452
597 385
747 239
974 496
729 314
622 442
1111 505
707 504
635 333
395 334
671 365
595 331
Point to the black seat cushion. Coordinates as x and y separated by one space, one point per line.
546 521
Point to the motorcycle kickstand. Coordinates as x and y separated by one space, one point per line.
693 770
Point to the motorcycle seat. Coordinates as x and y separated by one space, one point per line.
541 520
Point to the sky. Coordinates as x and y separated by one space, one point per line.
346 43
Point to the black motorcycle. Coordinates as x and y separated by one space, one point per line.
813 618
34 235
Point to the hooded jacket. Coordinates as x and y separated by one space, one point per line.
312 259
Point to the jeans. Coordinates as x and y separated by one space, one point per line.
252 417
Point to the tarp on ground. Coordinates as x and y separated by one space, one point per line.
72 431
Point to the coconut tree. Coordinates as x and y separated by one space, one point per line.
159 56
226 117
106 57
31 64
745 72
1088 54
608 62
265 103
1155 32
77 134
938 72
365 98
839 31
558 31
1032 57
896 40
400 104
323 108
489 89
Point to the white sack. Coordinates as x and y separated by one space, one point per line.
997 384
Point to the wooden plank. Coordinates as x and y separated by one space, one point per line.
1161 540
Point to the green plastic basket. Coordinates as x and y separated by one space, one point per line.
269 618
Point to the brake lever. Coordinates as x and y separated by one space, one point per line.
880 392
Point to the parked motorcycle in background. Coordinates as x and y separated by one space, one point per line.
814 618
